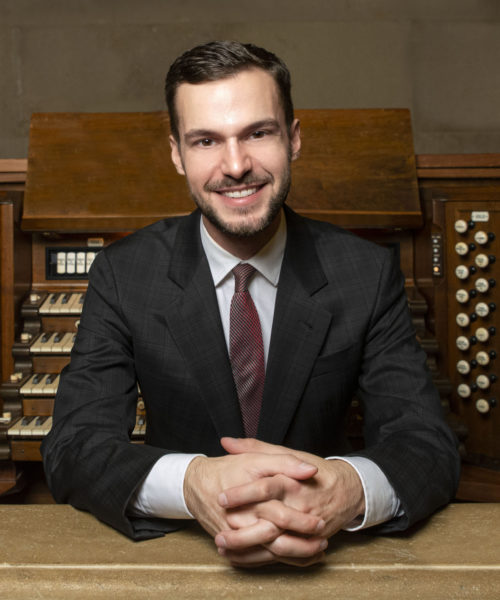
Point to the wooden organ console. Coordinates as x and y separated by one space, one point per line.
93 178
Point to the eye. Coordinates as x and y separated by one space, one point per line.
259 134
205 142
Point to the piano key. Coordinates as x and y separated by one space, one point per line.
51 384
41 344
37 428
31 426
38 387
55 342
60 306
41 384
27 388
18 427
46 426
48 303
76 303
67 342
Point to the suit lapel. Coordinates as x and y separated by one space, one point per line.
299 328
194 322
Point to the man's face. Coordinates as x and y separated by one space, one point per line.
235 150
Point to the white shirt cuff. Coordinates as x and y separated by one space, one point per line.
161 494
381 502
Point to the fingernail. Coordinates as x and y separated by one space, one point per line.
223 499
320 525
220 540
306 466
323 545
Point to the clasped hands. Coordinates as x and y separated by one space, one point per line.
265 503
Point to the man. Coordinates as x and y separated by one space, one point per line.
328 319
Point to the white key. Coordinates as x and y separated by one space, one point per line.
27 388
68 341
46 307
51 382
55 341
41 344
15 430
46 426
77 304
60 306
39 387
28 430
37 429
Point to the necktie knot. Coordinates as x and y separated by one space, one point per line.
242 274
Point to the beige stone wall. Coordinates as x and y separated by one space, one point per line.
440 58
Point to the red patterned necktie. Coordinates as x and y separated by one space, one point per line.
246 350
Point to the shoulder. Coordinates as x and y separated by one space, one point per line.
335 244
145 251
161 233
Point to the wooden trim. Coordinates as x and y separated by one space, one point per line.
439 161
6 287
458 166
13 170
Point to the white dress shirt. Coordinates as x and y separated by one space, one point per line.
161 493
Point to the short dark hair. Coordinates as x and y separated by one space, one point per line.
218 60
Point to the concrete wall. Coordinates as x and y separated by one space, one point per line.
440 58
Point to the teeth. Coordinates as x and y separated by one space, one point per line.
240 193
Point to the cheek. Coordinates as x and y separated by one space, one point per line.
199 171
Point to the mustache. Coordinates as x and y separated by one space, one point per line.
247 179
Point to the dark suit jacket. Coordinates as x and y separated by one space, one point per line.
341 327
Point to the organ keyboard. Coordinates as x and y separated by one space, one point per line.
357 169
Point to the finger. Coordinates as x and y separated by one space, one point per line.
266 488
294 546
262 464
284 517
261 532
248 445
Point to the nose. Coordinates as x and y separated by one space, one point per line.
236 161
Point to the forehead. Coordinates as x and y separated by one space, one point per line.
247 97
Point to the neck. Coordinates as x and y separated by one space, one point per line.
243 247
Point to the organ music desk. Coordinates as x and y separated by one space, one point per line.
58 552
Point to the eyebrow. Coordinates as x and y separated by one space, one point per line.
193 134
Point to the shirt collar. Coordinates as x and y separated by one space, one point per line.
267 261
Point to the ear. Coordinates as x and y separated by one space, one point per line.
175 154
295 141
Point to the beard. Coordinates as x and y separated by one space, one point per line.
246 225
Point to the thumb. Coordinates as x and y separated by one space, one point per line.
285 461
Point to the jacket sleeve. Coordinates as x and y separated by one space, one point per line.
88 457
405 431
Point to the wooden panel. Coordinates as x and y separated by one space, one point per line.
112 172
6 286
357 168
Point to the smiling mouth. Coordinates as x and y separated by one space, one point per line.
240 193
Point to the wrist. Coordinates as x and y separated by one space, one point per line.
191 485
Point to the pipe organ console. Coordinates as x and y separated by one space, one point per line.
92 179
